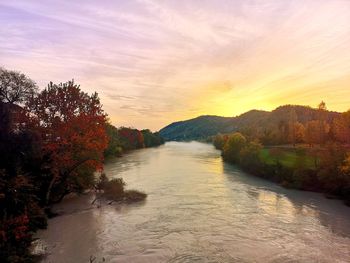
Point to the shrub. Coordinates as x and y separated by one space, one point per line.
134 196
233 146
114 189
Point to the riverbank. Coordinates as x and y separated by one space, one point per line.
113 194
320 169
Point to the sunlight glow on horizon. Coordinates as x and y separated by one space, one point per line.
155 62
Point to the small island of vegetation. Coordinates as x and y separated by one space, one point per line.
114 190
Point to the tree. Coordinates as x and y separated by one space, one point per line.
250 156
15 87
345 171
282 132
293 118
296 133
323 127
341 127
131 138
72 127
219 141
20 213
15 90
311 132
315 132
51 143
345 167
233 146
151 139
331 163
114 147
271 136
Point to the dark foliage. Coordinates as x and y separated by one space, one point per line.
114 190
152 139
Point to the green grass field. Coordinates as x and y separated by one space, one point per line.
288 157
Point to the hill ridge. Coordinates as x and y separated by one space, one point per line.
203 126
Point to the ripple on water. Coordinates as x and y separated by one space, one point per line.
198 209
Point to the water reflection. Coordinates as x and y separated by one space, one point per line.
277 200
201 209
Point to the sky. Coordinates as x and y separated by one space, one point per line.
155 62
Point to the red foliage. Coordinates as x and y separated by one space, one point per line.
133 136
72 126
14 228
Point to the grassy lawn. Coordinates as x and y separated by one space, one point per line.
287 157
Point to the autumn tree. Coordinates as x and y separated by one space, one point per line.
341 127
271 135
72 126
293 118
282 132
311 132
345 172
250 156
20 153
323 127
233 146
131 138
296 130
331 160
51 143
315 132
296 133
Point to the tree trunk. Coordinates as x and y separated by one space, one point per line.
63 178
49 189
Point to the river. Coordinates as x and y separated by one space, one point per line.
198 209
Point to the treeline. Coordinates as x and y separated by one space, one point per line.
51 144
327 146
124 139
285 124
288 125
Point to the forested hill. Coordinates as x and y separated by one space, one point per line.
200 127
254 120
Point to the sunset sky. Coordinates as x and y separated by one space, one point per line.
155 62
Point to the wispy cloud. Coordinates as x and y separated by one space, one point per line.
153 62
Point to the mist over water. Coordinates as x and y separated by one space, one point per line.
198 209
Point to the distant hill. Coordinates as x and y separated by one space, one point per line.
209 125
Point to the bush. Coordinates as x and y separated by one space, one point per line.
134 196
114 189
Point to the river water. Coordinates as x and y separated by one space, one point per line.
198 209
